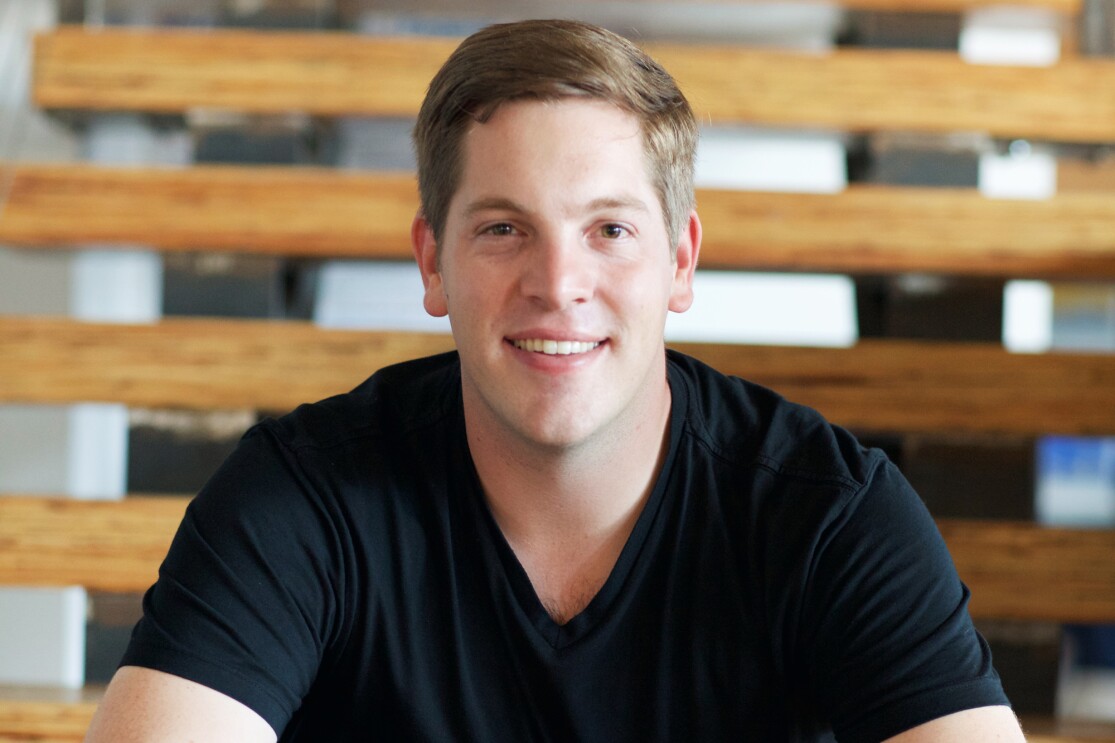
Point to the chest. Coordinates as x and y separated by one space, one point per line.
668 639
681 660
566 577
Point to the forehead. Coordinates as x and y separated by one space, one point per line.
570 143
573 119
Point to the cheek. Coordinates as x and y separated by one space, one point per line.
643 292
470 302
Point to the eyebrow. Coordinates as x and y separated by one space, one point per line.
496 203
618 203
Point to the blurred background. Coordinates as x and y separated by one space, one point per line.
68 638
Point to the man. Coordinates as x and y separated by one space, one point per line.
563 533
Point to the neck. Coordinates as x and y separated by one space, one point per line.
535 490
567 512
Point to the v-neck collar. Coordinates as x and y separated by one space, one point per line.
557 635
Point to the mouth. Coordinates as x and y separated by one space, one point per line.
551 347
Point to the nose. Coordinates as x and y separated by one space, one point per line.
558 272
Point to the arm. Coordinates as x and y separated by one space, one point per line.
982 723
243 608
146 706
893 644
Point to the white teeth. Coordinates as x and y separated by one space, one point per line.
555 348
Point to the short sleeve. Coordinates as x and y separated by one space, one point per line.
888 640
246 601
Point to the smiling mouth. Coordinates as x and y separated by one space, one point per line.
554 348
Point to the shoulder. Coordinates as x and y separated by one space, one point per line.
323 458
393 402
752 427
852 578
787 482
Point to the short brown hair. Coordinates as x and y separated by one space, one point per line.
550 60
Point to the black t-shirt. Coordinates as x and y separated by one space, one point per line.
342 576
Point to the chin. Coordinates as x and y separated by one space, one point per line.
559 435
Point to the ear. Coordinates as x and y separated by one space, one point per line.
425 252
681 294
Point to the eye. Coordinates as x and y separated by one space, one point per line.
613 231
500 229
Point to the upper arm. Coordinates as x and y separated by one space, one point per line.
888 641
146 706
245 603
982 723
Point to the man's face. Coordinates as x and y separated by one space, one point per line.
556 274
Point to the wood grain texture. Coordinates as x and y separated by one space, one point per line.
194 364
165 70
909 386
866 90
45 715
276 210
892 386
338 74
869 229
44 722
114 546
1066 7
1025 571
1015 570
326 213
1045 729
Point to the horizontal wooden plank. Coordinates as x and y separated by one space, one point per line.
103 545
1065 7
1024 571
1015 570
285 211
1067 730
194 364
869 229
491 8
327 213
33 721
865 90
626 10
1098 734
909 386
881 385
267 72
332 74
